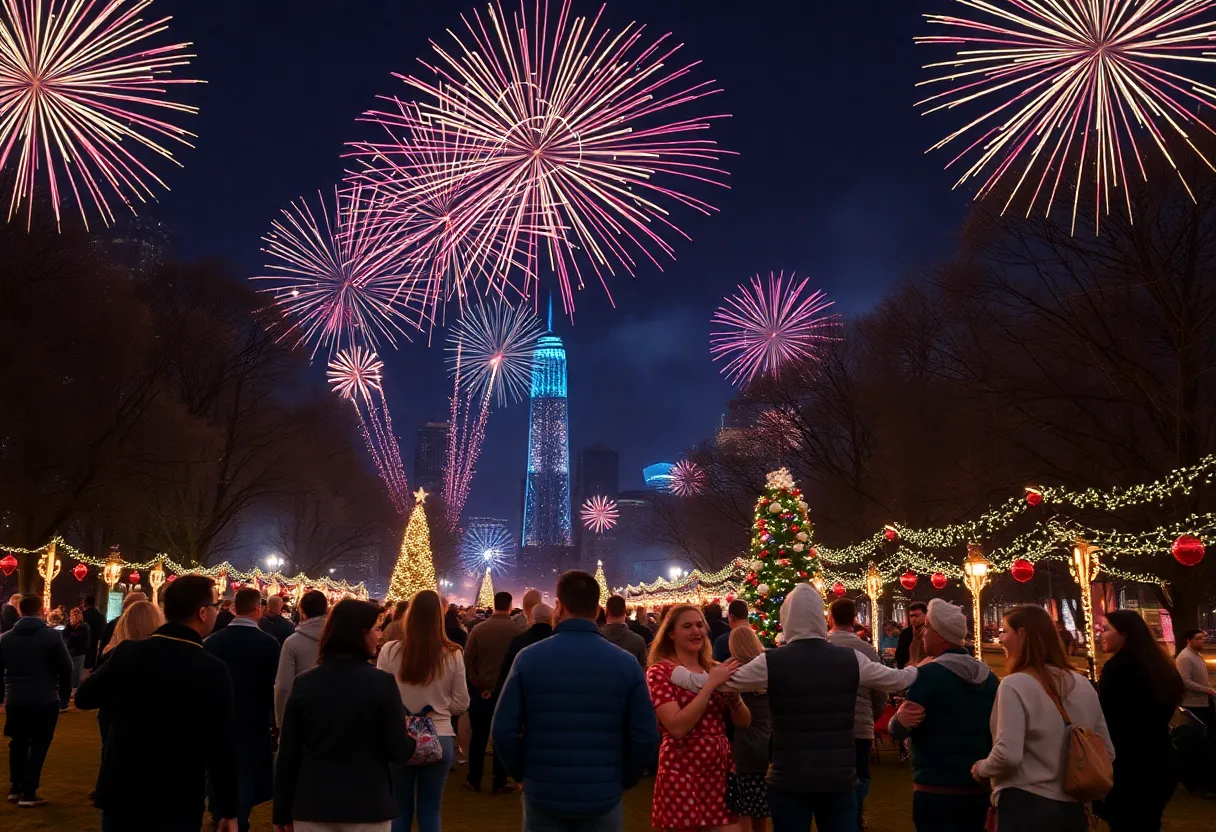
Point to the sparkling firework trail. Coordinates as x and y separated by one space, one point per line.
1085 85
687 478
81 85
599 514
571 138
763 329
357 376
338 274
495 342
466 434
487 546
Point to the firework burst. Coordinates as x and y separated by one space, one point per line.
572 141
764 328
81 86
487 546
1064 84
687 478
494 343
357 376
599 514
338 275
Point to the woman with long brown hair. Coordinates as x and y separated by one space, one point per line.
1140 689
1029 734
694 757
429 669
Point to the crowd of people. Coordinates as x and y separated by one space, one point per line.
352 717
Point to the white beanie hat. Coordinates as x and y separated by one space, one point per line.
948 621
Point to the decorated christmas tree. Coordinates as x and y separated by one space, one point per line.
415 569
485 598
783 554
602 580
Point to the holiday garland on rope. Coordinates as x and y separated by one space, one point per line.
783 554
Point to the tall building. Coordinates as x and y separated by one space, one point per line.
547 542
598 472
430 452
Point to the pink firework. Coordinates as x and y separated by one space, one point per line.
572 143
357 376
687 478
599 514
337 274
764 328
81 88
1083 86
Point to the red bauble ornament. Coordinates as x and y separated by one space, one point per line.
794 528
797 492
889 533
79 571
938 580
801 574
908 580
8 564
133 578
1022 570
838 589
783 562
730 596
1033 497
1188 550
171 579
812 553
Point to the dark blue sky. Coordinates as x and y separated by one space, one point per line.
831 182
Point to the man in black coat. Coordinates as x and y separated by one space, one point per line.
541 629
273 621
9 615
252 657
910 649
36 674
717 624
186 692
97 623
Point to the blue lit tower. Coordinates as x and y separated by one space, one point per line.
547 536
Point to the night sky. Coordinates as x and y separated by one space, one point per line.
831 182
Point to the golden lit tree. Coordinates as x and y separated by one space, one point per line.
485 598
602 580
415 569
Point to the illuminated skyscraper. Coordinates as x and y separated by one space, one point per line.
547 538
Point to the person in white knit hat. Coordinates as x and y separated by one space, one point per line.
946 715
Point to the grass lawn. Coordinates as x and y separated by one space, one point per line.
72 767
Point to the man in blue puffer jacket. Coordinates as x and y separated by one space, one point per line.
574 721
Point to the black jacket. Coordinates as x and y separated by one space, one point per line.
1139 729
35 668
277 626
641 630
77 639
8 617
222 620
97 623
252 658
107 635
903 650
170 679
535 633
343 728
718 627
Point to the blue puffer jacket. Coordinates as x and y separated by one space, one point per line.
574 721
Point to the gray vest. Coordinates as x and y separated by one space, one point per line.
812 688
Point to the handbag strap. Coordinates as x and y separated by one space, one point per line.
1055 700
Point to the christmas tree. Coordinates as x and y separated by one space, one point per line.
485 598
602 580
415 569
782 552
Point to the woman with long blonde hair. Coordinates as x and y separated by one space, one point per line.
430 674
694 757
138 621
747 791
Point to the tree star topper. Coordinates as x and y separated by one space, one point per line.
420 495
781 479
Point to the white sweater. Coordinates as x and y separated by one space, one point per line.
447 695
1029 740
1194 673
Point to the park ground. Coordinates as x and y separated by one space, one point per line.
72 767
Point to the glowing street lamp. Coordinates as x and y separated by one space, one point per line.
112 571
975 576
820 586
1084 567
873 590
49 565
157 579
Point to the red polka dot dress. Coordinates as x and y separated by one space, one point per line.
690 787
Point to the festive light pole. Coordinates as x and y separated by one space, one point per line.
113 568
975 576
48 568
157 579
820 586
1084 567
873 590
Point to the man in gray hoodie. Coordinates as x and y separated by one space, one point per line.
842 615
299 652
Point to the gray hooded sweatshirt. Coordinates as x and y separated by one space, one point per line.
299 654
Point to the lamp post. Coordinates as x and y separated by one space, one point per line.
1084 567
975 576
156 578
113 568
48 567
873 590
820 586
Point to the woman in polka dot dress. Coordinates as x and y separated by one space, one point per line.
695 756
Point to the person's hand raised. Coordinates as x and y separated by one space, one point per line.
721 674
